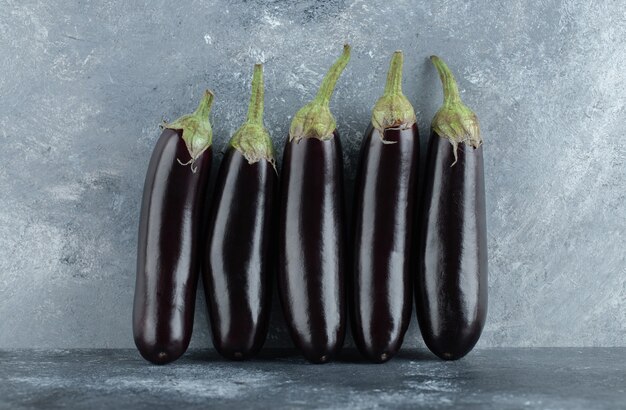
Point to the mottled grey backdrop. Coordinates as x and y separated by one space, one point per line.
83 86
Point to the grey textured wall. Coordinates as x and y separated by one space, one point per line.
83 86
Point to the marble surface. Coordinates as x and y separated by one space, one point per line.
557 378
84 86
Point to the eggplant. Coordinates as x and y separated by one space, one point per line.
237 263
169 234
312 236
384 209
451 285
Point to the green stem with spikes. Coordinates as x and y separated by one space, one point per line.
454 120
393 109
252 139
315 120
196 128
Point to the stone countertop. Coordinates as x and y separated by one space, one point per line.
555 378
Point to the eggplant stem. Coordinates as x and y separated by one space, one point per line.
332 76
196 127
315 120
393 86
204 108
450 88
454 120
252 139
393 110
255 109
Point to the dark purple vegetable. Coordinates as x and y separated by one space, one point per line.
169 235
386 186
451 287
237 277
312 227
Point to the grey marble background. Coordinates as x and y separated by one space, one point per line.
83 86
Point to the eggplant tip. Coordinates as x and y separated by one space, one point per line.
161 358
447 356
451 356
317 359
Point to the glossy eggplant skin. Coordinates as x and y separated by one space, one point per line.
384 208
169 235
451 286
312 255
238 261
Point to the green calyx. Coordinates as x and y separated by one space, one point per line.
315 120
393 110
454 120
196 127
252 139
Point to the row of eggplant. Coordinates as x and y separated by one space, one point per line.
434 248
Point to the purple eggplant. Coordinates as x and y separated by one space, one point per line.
169 236
384 209
237 263
451 285
312 254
